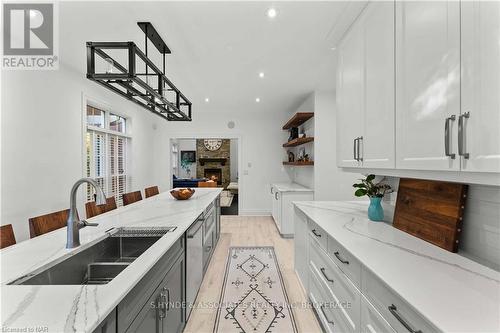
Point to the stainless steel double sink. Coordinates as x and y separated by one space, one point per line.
99 263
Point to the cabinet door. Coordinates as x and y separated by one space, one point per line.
427 83
172 294
147 318
301 247
371 320
481 85
378 137
349 96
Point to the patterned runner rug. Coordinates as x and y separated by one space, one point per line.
253 297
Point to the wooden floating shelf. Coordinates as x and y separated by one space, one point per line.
299 163
298 119
298 142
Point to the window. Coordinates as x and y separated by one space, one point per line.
107 145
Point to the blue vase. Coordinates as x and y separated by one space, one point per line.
375 210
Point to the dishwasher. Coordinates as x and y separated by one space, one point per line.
194 262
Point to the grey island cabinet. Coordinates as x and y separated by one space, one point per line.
157 303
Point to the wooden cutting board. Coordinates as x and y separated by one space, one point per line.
431 210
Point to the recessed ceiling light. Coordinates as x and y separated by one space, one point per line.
257 99
207 100
271 13
261 75
333 48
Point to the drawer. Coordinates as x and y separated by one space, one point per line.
337 286
319 234
371 320
398 313
345 260
326 309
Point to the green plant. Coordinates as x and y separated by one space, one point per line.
371 189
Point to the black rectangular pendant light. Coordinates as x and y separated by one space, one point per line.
163 99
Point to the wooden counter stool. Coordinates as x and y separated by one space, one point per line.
42 224
151 191
93 210
7 237
131 197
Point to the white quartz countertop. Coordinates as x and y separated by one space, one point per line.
290 187
80 308
456 294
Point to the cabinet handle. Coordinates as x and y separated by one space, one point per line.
272 190
276 195
208 249
340 258
461 135
354 149
394 310
322 269
447 137
315 233
322 308
360 157
161 307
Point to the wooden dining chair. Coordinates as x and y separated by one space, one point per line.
42 224
131 197
207 184
151 191
93 210
7 237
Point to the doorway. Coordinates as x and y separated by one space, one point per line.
208 162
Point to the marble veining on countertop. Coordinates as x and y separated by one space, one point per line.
80 308
454 293
290 187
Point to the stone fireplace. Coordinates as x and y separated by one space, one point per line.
214 163
214 173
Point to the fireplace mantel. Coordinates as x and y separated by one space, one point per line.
221 160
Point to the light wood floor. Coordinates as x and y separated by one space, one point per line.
249 231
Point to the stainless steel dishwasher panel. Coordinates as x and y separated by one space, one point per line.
194 263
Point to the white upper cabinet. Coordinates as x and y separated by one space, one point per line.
427 84
365 90
378 136
349 101
480 86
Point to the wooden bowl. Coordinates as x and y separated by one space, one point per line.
179 195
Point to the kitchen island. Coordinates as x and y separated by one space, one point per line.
82 308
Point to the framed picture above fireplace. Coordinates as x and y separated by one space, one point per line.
188 155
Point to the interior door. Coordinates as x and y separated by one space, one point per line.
349 96
378 138
427 83
481 85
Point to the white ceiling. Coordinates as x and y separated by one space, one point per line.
219 48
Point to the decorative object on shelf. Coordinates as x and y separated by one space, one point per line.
182 193
301 154
163 98
302 135
212 144
188 157
294 133
375 191
291 156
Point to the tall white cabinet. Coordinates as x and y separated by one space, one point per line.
480 114
418 90
365 90
427 84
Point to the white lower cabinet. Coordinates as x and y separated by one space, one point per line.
283 209
345 295
371 320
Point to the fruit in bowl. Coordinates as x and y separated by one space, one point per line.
182 193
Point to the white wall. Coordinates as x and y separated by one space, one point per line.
233 155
